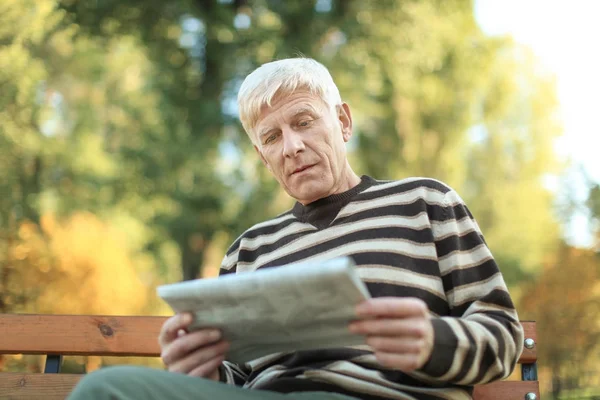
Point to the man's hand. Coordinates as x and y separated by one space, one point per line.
197 353
398 329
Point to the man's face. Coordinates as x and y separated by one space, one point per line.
302 142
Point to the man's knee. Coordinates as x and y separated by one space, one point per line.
107 383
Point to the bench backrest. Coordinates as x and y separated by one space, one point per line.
62 335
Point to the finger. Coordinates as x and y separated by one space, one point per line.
409 327
206 369
199 358
391 307
184 345
396 345
169 330
402 362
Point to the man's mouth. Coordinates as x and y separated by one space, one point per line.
303 168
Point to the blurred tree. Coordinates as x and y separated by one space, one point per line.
418 84
593 203
167 164
22 71
138 122
24 149
191 45
62 93
510 155
81 252
565 302
440 99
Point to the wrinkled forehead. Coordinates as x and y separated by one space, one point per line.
287 106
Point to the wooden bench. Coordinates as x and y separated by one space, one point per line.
60 335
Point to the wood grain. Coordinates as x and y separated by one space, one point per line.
509 390
80 335
37 386
529 355
108 335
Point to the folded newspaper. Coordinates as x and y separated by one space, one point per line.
283 309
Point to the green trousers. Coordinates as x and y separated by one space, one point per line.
127 383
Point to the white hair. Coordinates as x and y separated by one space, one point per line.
283 78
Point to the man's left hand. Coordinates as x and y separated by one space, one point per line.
398 329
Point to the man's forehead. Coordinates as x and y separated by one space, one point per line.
291 106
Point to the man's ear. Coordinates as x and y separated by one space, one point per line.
345 118
262 158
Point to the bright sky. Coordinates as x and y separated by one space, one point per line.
565 36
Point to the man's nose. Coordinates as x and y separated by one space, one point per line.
292 143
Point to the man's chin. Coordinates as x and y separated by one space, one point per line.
307 192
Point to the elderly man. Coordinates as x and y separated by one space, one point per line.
441 319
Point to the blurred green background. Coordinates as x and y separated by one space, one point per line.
123 164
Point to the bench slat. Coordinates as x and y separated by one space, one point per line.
80 335
58 386
108 335
529 356
37 386
506 390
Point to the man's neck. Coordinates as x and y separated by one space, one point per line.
321 213
348 180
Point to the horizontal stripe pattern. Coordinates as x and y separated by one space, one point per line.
409 238
399 276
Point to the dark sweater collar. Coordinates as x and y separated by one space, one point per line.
322 212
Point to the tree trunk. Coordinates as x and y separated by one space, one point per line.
192 256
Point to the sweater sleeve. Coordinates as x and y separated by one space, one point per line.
482 339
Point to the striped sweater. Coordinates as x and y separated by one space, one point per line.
408 238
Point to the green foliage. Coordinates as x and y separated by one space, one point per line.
593 204
512 154
125 111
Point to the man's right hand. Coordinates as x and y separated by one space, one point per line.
197 353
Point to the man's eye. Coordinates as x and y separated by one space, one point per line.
304 124
270 138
